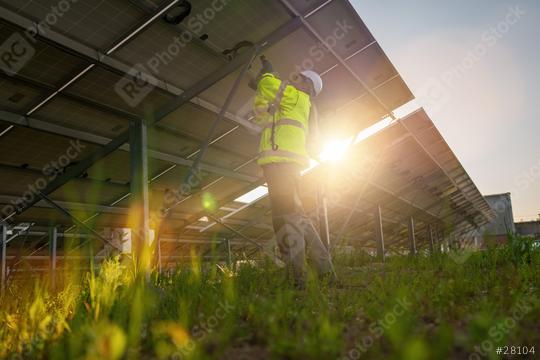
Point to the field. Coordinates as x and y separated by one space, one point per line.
452 305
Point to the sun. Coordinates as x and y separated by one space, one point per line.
335 150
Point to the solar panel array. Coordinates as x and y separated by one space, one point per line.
63 100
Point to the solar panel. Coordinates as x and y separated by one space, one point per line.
67 112
95 23
17 96
47 64
69 89
391 169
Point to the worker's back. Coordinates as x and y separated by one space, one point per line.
290 121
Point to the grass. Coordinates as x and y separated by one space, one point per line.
408 308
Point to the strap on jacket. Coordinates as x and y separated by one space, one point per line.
272 110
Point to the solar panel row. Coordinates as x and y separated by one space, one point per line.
81 78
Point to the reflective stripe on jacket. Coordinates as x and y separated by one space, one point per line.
292 120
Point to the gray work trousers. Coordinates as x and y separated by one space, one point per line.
295 232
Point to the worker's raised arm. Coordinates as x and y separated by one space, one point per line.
266 68
267 88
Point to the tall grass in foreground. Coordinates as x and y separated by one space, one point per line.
408 308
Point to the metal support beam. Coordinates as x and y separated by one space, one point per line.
379 235
445 241
345 224
124 39
41 125
228 100
73 206
184 98
53 238
440 237
139 211
77 221
207 44
412 239
229 255
445 171
429 231
3 270
439 240
74 171
107 62
224 71
323 220
159 257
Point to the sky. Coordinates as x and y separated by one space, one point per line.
475 67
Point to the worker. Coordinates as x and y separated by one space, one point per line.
283 111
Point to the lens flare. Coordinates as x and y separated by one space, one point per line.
335 150
209 202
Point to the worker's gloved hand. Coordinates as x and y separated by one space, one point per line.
266 67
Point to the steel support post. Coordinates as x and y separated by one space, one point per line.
139 217
157 239
3 238
53 238
323 220
437 238
429 234
412 238
442 248
442 245
345 224
379 235
445 241
229 255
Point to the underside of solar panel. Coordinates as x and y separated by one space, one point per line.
79 79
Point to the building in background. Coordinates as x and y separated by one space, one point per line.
496 232
529 228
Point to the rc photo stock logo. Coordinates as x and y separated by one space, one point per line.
434 95
138 82
289 238
438 90
135 86
15 53
17 50
290 242
50 172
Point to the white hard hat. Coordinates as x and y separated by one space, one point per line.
315 79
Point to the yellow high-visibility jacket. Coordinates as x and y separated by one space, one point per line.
292 121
